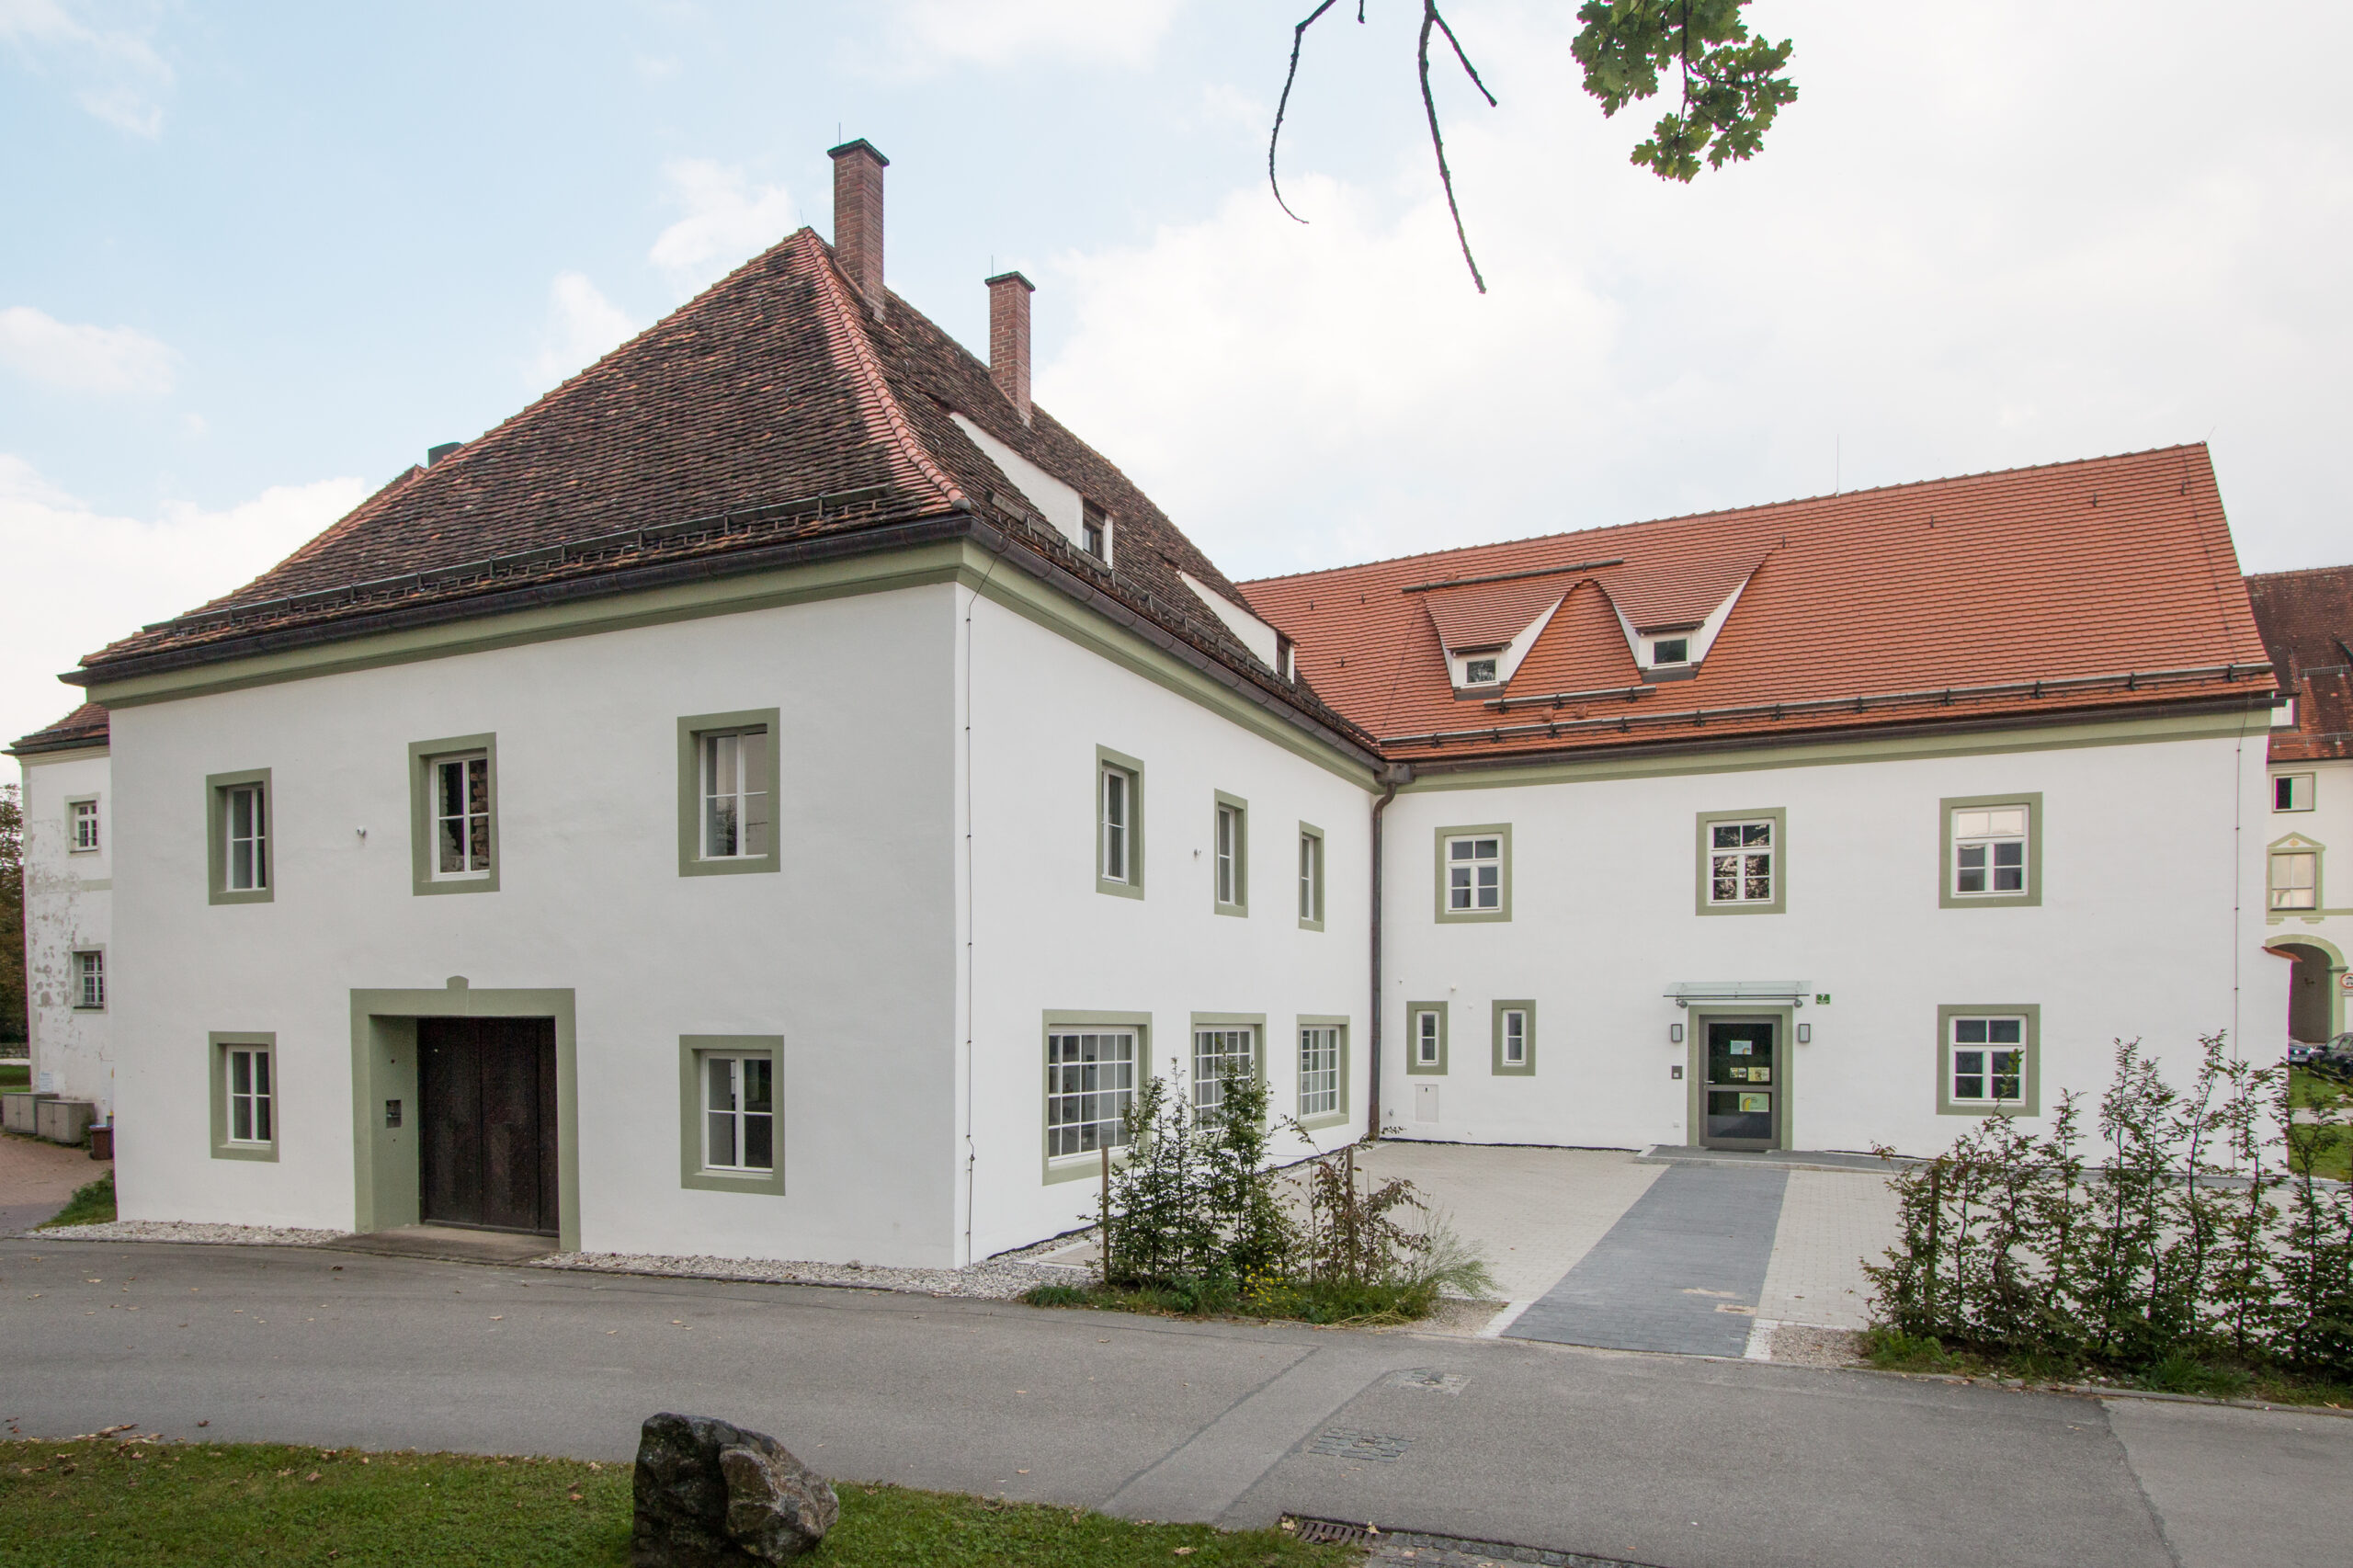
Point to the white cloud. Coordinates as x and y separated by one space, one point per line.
581 325
86 578
123 76
83 358
1012 32
1987 258
728 220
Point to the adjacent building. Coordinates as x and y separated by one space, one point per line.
2307 621
69 896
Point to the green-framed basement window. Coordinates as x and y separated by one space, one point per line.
728 764
1225 1045
1323 1072
1091 1061
1514 1045
1426 1037
245 1094
731 1104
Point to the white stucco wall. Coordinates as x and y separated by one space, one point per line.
2144 864
68 907
847 952
1044 938
2330 825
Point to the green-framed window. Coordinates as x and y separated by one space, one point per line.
1225 1045
1989 1058
1311 877
239 837
2293 875
90 979
1473 872
1743 862
1991 850
731 1113
1230 855
2291 792
1118 823
82 824
1514 1045
1426 1037
1323 1071
453 814
728 764
246 1113
1091 1062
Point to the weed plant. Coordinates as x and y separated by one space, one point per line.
92 1204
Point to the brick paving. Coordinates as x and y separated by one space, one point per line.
1533 1212
1830 1224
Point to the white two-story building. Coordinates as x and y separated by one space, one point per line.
2307 621
778 794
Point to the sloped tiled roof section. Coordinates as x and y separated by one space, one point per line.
2102 584
86 726
2307 621
1489 615
773 408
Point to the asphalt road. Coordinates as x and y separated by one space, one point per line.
1672 1460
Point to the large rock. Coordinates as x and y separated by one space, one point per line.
712 1496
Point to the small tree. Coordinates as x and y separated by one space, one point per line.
13 1018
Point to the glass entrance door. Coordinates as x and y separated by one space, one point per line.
1744 1079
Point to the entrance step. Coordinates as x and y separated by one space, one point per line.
452 1244
1776 1159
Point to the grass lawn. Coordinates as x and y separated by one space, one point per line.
83 1504
1351 1306
2311 1089
17 1075
92 1204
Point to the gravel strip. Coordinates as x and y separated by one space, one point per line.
999 1278
185 1231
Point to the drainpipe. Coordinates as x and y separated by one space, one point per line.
1395 774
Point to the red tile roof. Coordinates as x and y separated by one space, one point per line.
2307 621
774 409
86 726
2102 584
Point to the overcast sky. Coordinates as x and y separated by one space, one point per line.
257 259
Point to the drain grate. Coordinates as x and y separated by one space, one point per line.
1347 1443
1327 1532
1429 1379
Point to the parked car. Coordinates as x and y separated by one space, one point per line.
2300 1051
2333 1060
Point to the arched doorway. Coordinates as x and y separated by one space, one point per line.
2312 989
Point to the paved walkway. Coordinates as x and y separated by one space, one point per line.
1661 1459
38 1176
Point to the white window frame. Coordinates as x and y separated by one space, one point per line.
1095 531
1979 1060
82 827
2291 792
1090 1085
257 1100
255 843
89 980
745 807
1218 1049
1978 830
1662 659
1740 856
2290 896
1513 1044
1119 824
1230 855
737 1115
471 868
1466 892
1320 1047
1311 877
1482 670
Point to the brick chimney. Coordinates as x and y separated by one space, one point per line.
1010 338
857 218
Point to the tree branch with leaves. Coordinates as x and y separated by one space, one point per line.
1732 84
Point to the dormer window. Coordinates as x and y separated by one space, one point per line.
1671 650
1095 531
1479 672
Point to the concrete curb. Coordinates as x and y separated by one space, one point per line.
2099 1391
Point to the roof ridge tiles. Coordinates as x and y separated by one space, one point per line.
844 331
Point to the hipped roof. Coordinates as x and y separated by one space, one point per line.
2307 622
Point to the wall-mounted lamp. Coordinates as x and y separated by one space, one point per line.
1675 1034
1805 1034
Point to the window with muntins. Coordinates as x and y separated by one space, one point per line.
1094 530
2295 879
251 1099
1116 817
2291 793
83 836
1090 1081
461 815
1232 891
1989 851
1219 1053
1479 672
1740 862
735 794
1988 1061
90 981
245 838
739 1112
1319 1071
1311 877
1429 1044
1475 874
1515 1037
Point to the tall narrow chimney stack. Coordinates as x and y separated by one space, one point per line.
1010 338
857 218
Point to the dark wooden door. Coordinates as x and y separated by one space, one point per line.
487 1143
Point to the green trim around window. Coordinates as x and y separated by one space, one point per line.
1079 1167
1496 1064
421 754
1780 900
1413 1064
2297 843
216 1063
1132 886
74 976
1308 830
1323 1021
1945 898
216 837
1468 916
692 1049
2030 1102
1256 1024
69 802
1240 904
383 1067
691 728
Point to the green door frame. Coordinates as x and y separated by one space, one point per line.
1784 1020
383 1068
